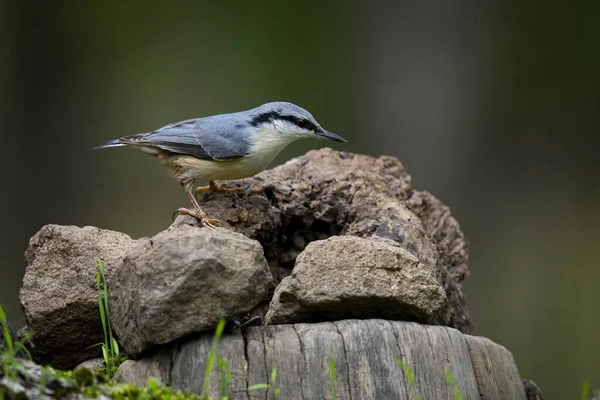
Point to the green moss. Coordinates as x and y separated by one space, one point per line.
154 390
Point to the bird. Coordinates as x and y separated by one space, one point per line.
224 147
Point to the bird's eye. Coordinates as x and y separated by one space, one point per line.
305 124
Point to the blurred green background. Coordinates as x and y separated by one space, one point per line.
493 108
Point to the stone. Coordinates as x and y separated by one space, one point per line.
327 193
93 364
183 280
365 355
29 380
138 372
350 277
59 295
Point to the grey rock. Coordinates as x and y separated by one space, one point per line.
328 193
138 372
184 280
32 381
365 355
93 364
349 277
59 295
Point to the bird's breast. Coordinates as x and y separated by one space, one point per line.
265 148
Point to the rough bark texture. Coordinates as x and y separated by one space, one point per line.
59 296
326 193
365 354
184 280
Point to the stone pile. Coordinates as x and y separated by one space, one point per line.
326 237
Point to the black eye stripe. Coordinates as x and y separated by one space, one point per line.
272 115
300 122
264 117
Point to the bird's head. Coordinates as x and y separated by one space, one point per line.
290 121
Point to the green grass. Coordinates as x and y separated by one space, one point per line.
94 385
211 360
225 377
410 376
332 375
271 387
452 382
585 391
110 347
9 355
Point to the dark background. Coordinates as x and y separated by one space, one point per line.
494 109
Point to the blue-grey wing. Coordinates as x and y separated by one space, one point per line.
202 138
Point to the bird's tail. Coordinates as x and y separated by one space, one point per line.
110 143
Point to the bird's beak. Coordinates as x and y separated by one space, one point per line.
331 136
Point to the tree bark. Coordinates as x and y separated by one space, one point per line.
365 354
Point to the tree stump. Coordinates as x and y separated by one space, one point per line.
366 355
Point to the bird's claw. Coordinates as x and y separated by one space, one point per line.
201 216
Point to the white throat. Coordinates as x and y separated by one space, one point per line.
269 142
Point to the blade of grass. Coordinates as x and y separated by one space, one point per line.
8 340
332 375
25 350
410 377
212 356
114 348
585 392
450 379
274 374
225 377
259 386
100 303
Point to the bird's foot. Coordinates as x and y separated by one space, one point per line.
201 216
213 187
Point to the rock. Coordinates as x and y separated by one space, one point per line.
32 381
138 372
184 280
93 364
168 287
327 193
349 277
59 296
594 395
365 355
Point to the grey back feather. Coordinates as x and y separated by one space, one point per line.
210 138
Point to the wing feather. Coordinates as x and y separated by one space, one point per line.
200 138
